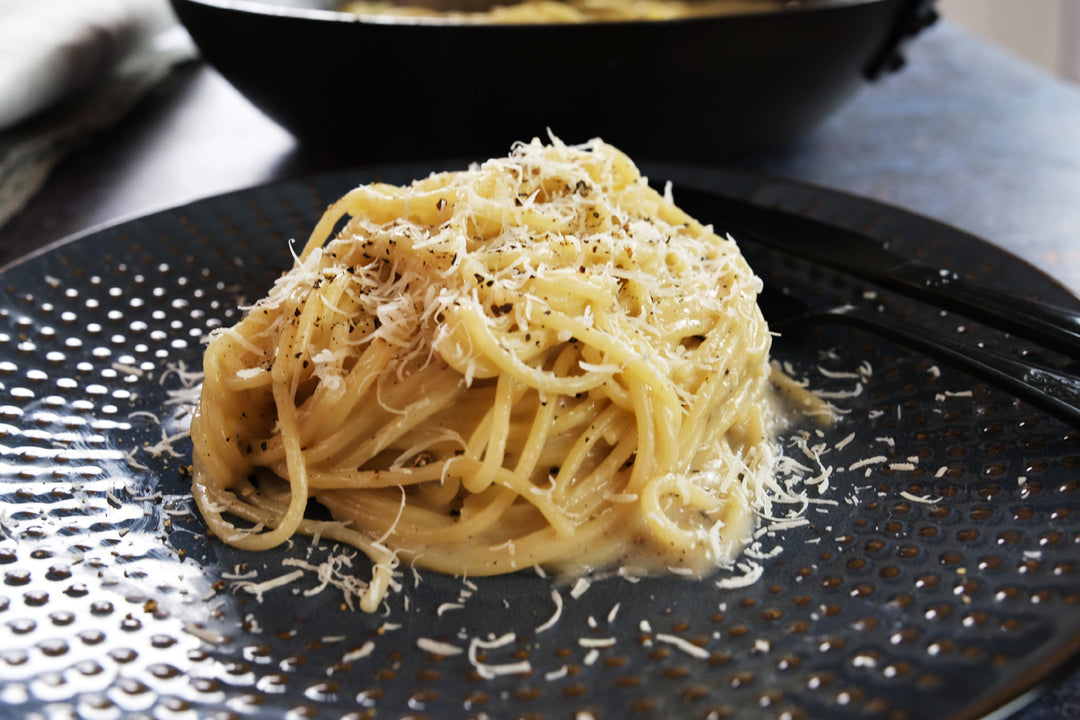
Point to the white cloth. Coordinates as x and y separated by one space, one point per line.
69 68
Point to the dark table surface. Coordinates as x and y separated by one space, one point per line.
965 134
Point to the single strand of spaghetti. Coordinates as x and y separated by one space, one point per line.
589 546
430 442
474 445
303 328
266 510
358 382
239 337
646 460
750 425
719 386
582 447
616 391
250 380
223 460
284 368
685 328
362 437
524 485
636 364
665 414
669 532
373 508
487 345
442 491
364 198
711 407
423 203
511 259
419 527
358 479
421 522
572 412
533 445
495 447
600 481
482 515
214 501
562 285
290 520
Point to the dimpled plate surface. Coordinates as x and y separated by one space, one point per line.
937 579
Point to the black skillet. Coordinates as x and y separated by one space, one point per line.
700 88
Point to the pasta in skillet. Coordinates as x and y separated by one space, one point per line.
536 361
564 11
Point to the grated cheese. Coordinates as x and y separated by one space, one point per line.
840 394
558 674
204 634
437 648
839 375
332 573
550 623
258 589
751 573
919 498
447 607
360 653
596 642
686 646
489 671
875 460
580 587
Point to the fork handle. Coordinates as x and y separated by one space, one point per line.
865 256
1053 326
1055 392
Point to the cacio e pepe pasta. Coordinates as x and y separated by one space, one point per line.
536 361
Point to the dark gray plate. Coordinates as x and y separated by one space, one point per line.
943 583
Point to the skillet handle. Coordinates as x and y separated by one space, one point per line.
914 17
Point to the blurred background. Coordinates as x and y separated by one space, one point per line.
1045 32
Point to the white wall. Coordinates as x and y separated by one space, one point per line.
1046 32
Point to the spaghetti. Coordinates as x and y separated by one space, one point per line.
539 360
528 12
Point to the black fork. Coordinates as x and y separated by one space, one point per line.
1053 390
